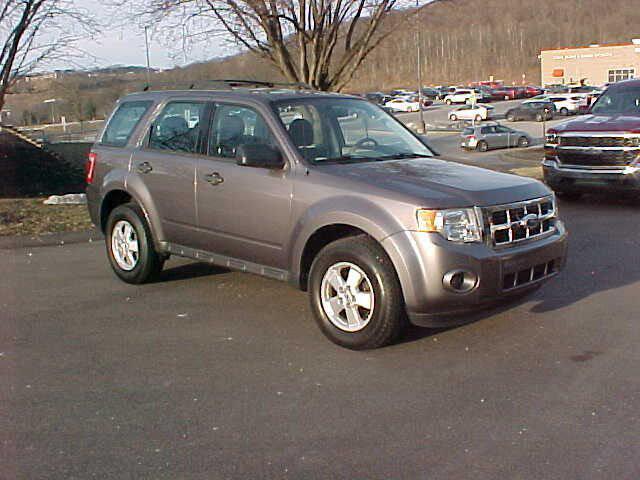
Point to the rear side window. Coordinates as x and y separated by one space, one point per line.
178 127
123 122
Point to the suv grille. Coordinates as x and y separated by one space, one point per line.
510 224
618 158
599 141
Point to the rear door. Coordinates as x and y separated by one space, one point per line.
243 212
167 165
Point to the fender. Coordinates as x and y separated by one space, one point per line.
121 180
352 211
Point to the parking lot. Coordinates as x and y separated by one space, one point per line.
216 374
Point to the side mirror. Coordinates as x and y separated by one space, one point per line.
259 155
424 140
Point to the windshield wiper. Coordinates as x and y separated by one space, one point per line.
399 155
342 158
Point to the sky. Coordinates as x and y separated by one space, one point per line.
124 45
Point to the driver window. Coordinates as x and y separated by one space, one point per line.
234 125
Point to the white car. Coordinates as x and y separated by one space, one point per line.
468 112
403 105
568 103
460 96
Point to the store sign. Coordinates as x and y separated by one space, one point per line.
582 55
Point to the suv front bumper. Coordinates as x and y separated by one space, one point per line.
423 260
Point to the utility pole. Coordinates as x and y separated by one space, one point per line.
422 128
146 42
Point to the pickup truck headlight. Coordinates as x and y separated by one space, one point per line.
456 225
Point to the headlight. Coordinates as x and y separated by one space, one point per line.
456 225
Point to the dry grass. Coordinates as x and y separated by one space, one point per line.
29 216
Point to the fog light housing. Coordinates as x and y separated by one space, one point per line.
460 281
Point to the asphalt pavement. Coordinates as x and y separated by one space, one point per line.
212 374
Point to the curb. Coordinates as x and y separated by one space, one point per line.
49 239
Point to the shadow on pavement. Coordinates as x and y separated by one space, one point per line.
190 270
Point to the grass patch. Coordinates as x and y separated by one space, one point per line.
29 216
533 154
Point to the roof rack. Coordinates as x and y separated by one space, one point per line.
230 84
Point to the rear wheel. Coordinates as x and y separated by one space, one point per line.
453 118
539 117
478 118
482 146
523 142
355 294
130 246
511 117
564 111
448 101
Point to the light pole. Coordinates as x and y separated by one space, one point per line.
421 125
146 43
52 101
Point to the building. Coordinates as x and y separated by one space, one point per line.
592 64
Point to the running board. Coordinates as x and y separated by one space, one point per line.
224 261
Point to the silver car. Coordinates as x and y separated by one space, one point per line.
484 137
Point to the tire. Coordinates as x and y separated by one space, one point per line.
511 117
478 118
506 97
482 146
129 221
453 118
539 117
448 101
374 327
564 111
523 142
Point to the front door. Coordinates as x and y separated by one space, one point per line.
243 212
167 165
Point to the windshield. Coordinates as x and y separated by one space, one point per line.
326 130
618 100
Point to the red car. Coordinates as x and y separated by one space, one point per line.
505 93
532 91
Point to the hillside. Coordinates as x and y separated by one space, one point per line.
461 40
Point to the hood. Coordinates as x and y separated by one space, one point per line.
600 123
440 183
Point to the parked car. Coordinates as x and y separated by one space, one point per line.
403 105
532 91
504 93
462 95
568 103
599 151
485 137
430 93
326 192
476 113
538 98
378 98
538 111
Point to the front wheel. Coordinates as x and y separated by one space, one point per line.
564 111
355 294
130 246
453 118
523 142
448 101
478 118
511 117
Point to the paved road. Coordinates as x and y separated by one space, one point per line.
210 374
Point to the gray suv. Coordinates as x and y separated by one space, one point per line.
325 191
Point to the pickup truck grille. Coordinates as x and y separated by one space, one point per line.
618 158
506 225
599 141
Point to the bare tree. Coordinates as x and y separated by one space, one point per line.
33 32
318 42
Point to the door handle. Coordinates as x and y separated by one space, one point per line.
144 167
214 178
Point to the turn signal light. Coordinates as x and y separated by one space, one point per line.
90 167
